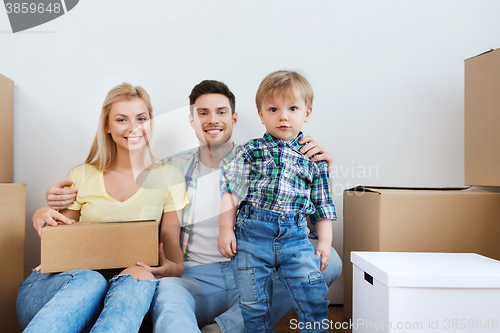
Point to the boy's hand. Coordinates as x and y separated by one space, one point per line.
226 243
323 252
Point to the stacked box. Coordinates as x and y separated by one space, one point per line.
482 119
6 130
12 222
418 220
12 214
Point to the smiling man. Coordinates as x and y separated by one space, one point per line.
206 295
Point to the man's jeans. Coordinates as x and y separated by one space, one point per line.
208 293
71 301
269 242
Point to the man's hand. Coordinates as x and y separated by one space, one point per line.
58 197
48 216
166 267
323 252
226 243
314 148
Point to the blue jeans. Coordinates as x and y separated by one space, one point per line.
71 302
208 293
269 242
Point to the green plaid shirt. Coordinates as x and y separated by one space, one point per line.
273 174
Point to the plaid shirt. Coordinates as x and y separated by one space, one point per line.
273 174
187 162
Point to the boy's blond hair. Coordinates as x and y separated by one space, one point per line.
281 83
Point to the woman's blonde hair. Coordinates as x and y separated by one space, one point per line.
103 150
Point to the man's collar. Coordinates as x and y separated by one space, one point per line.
293 143
229 157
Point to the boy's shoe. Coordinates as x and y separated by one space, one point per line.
212 328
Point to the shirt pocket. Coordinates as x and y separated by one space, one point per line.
265 165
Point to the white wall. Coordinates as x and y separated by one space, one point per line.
387 75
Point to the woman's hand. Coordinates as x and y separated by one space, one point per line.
48 216
314 148
165 268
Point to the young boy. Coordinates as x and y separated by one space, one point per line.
278 187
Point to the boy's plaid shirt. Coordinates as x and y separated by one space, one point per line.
187 162
273 174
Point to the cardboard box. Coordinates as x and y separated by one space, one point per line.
12 222
418 220
99 245
424 292
6 130
482 119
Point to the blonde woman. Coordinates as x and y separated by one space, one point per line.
108 191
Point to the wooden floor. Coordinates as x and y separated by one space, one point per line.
286 325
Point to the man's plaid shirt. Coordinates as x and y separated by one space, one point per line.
273 174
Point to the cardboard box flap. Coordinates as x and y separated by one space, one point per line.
429 270
480 54
389 189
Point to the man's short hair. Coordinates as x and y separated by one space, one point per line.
281 83
211 87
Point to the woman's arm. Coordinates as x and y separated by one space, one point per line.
171 257
48 216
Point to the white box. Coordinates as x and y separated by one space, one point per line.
425 292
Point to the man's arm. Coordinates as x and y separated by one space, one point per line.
313 148
58 197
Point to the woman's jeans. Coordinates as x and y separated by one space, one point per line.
72 302
269 242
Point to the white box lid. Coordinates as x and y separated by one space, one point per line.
429 270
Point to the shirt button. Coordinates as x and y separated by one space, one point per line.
283 218
279 202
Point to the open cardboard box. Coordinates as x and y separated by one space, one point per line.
84 245
418 220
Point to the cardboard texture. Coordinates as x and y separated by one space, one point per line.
99 245
418 220
6 130
482 119
12 223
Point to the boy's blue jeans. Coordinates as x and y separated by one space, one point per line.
269 242
71 302
208 293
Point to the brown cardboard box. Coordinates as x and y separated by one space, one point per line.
482 119
12 222
418 220
99 245
6 130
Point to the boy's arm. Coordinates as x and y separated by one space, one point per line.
226 242
324 247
